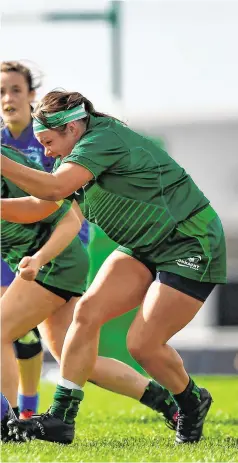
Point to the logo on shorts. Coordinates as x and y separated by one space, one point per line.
190 262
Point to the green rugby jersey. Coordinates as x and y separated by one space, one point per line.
17 239
139 193
69 269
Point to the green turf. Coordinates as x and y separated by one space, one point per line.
115 428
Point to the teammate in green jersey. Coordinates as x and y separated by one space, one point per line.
18 91
18 240
171 255
62 280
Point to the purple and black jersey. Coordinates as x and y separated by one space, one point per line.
29 145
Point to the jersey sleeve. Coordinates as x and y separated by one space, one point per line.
58 215
98 152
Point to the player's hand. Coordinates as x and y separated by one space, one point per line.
29 268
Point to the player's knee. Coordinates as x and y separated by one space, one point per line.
87 313
140 346
136 351
141 352
135 345
28 346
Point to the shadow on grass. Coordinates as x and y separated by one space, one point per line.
130 419
126 442
154 443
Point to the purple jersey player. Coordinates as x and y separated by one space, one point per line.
27 144
18 92
17 95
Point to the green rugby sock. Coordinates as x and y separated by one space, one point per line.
189 399
66 403
155 395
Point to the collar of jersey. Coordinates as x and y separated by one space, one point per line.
93 121
26 134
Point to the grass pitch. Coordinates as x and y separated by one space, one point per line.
112 428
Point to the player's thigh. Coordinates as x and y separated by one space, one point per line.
119 286
54 328
164 312
25 305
